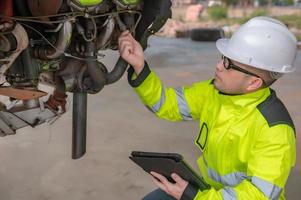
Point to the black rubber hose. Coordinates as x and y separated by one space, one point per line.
156 12
117 72
152 10
121 64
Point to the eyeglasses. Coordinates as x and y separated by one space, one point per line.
229 65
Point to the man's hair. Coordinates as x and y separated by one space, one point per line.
268 76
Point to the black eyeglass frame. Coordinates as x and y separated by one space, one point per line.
235 67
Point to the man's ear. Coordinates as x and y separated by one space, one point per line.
254 84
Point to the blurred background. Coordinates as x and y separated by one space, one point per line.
229 14
36 163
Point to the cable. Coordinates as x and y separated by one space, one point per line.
120 12
38 18
42 22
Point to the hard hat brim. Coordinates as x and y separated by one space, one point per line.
221 45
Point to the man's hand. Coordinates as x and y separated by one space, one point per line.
174 189
131 51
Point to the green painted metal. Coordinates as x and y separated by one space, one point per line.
90 2
130 2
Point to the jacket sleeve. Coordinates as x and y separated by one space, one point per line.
245 190
269 165
174 104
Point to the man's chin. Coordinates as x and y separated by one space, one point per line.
218 87
216 84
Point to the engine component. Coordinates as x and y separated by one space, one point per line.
57 101
21 116
61 44
18 37
57 43
106 33
88 2
24 72
127 4
44 8
96 6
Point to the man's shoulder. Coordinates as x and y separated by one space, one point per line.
203 88
207 84
274 111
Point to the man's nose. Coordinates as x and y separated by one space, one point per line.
220 66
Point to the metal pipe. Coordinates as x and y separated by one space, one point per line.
79 124
95 72
62 42
117 72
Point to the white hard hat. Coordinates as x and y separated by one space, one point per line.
262 42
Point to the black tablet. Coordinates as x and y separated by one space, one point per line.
166 164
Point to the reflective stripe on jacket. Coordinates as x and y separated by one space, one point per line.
247 141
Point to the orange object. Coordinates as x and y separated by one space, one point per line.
21 94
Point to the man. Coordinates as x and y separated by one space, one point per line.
247 137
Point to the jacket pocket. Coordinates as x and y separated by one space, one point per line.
202 138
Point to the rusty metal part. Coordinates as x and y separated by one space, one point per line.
21 94
6 9
44 7
57 100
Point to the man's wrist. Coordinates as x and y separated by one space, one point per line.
189 193
140 77
138 68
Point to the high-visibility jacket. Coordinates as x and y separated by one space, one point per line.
247 141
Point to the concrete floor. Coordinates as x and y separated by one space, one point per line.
36 163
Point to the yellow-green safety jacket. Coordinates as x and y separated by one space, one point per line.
247 141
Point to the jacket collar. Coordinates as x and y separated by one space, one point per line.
245 100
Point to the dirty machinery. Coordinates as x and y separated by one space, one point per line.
58 43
